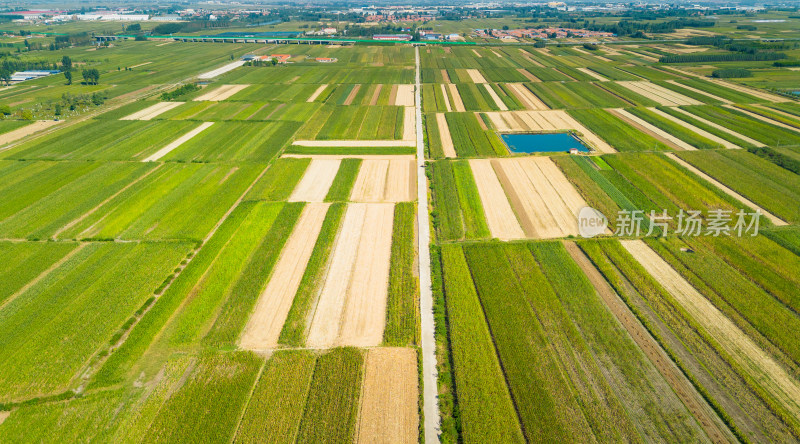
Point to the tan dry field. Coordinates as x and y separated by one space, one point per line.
497 100
177 142
375 95
476 76
695 129
221 93
528 75
651 129
458 105
501 219
25 131
658 93
393 94
265 323
141 64
389 397
594 74
445 76
683 388
364 316
544 200
527 97
548 121
767 373
763 118
404 96
316 181
496 53
352 95
409 121
720 127
699 91
444 135
385 180
772 218
152 111
352 301
446 98
316 93
477 54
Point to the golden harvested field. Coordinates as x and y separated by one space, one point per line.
658 93
221 93
316 181
389 397
352 302
152 111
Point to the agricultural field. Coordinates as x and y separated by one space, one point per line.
351 247
249 265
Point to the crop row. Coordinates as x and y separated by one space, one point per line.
402 302
459 213
746 125
469 139
768 185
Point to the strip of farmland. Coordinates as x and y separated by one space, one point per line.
352 301
272 308
389 397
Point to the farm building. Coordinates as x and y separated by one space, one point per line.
30 75
326 59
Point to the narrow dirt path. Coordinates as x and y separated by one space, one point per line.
671 373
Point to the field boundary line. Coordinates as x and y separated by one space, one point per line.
43 275
772 218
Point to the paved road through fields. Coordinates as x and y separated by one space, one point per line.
430 402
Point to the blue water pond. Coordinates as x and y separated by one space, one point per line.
542 143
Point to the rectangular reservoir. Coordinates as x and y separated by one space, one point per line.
542 143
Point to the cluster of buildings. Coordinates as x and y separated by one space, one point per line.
283 58
543 33
52 16
435 36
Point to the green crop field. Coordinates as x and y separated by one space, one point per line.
267 264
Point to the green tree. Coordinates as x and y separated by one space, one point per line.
68 76
66 63
91 76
